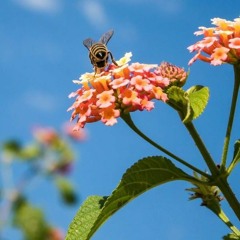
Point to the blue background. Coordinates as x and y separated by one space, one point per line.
41 52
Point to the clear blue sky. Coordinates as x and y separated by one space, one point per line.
41 52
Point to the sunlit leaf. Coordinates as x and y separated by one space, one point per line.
198 97
236 156
85 218
141 177
231 236
178 99
237 150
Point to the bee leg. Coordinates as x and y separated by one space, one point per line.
98 70
112 58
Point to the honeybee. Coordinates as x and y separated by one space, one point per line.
98 52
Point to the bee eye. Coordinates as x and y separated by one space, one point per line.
101 55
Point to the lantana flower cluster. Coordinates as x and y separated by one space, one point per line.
221 44
122 89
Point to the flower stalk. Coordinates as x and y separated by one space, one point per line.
219 179
231 115
226 220
128 120
229 195
202 148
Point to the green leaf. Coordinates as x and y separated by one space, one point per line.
189 104
85 218
141 177
198 97
231 236
66 190
236 156
178 99
31 221
237 151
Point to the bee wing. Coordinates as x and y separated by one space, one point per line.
106 37
88 43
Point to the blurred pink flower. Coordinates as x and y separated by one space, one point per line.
68 129
55 234
45 135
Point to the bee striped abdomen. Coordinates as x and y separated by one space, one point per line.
99 51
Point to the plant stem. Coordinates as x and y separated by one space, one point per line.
226 190
130 123
234 162
231 115
220 180
202 148
225 219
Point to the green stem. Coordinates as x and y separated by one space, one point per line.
202 148
234 162
231 115
226 190
130 123
220 180
225 219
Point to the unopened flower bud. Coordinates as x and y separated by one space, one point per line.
176 75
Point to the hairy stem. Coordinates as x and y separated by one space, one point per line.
130 123
220 180
229 195
202 148
231 115
220 213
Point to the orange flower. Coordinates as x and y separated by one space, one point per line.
130 97
109 116
86 95
207 43
137 67
221 44
207 32
140 68
126 88
105 99
235 43
119 82
140 83
101 83
83 111
124 60
159 94
146 104
219 55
